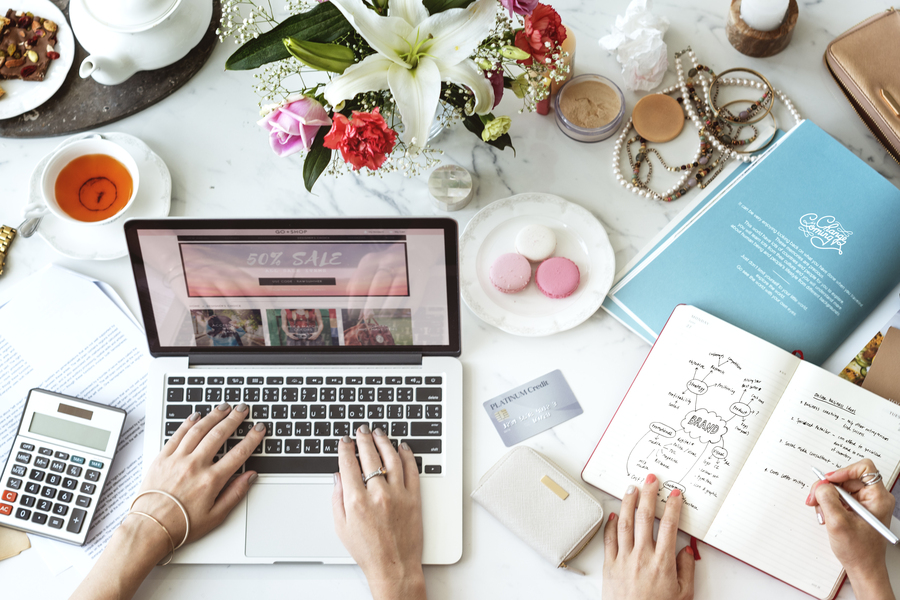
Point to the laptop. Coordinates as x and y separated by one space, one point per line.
320 326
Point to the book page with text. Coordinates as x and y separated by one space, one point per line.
692 415
821 421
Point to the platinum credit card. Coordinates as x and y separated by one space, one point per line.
533 407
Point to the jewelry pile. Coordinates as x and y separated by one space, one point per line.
719 129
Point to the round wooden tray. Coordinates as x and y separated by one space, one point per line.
83 104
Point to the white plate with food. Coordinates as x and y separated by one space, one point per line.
22 96
579 237
107 242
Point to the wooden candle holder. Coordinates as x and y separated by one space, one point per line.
760 43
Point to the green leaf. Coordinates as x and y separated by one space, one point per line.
324 23
317 159
473 123
323 57
436 6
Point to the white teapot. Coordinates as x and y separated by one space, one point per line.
123 37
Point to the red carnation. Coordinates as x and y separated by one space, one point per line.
364 140
542 27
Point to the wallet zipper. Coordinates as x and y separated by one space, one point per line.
857 106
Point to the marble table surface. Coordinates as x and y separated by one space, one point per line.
221 166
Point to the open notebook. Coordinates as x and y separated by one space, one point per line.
736 423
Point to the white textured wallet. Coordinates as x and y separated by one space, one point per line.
541 504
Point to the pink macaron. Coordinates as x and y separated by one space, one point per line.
510 273
557 277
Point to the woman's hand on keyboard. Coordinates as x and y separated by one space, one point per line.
859 547
637 568
185 469
380 522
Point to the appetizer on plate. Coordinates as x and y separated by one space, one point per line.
27 46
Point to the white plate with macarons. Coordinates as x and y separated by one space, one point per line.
493 232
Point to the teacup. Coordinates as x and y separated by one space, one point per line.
91 181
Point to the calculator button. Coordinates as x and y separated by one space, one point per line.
77 459
83 501
5 509
41 462
39 518
62 455
55 522
46 451
54 479
57 466
17 470
95 464
32 488
13 483
69 484
27 446
23 513
23 457
88 488
92 475
27 501
74 471
36 475
76 521
9 496
48 492
65 497
60 509
44 505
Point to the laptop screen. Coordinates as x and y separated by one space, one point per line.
310 285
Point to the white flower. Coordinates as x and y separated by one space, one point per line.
415 52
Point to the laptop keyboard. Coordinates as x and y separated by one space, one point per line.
306 416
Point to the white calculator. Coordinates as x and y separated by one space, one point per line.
58 464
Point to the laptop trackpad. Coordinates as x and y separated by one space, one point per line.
292 522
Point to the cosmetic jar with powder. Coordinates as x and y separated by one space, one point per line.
589 108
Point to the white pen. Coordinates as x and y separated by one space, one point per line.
861 510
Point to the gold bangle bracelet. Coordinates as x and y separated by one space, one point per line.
716 110
171 553
187 522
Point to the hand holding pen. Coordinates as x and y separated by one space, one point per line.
856 543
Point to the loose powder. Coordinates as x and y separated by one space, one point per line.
589 104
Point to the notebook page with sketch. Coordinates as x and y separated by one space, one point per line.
735 423
824 421
692 415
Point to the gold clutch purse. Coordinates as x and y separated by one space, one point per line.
865 62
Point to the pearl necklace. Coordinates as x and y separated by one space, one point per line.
726 153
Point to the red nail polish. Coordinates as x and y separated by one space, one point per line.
829 474
612 516
689 550
675 492
651 478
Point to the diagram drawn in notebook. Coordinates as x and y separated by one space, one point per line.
715 404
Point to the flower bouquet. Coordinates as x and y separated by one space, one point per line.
388 70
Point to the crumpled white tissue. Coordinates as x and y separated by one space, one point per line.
637 40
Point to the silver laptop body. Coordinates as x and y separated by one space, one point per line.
319 326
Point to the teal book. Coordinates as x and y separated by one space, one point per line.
796 249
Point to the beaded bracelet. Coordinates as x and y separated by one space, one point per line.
187 522
171 553
710 99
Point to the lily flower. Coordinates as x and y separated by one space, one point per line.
414 53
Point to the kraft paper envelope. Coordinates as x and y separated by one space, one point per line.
12 542
883 377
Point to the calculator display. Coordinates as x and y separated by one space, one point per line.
67 431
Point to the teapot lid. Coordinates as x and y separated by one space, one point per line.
130 16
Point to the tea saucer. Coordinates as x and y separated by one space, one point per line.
579 237
106 242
